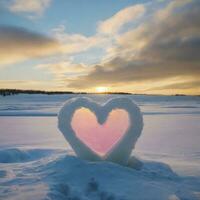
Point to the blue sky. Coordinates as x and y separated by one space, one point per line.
138 46
79 16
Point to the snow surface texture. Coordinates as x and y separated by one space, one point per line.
121 151
57 176
36 163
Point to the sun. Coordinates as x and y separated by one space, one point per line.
101 89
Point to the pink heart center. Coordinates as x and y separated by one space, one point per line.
100 137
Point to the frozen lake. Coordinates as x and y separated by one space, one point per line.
28 123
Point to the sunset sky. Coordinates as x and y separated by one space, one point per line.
138 46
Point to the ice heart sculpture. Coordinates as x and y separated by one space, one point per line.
98 132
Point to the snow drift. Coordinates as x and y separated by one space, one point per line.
59 176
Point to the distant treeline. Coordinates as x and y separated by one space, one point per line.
6 92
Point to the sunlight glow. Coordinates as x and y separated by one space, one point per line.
101 89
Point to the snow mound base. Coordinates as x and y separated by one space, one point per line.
58 176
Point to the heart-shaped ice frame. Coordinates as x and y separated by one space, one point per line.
121 151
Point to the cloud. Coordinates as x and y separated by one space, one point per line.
22 44
28 84
115 23
119 71
31 8
180 85
19 44
166 11
75 43
157 50
161 49
64 69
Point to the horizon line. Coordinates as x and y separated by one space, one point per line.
6 91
